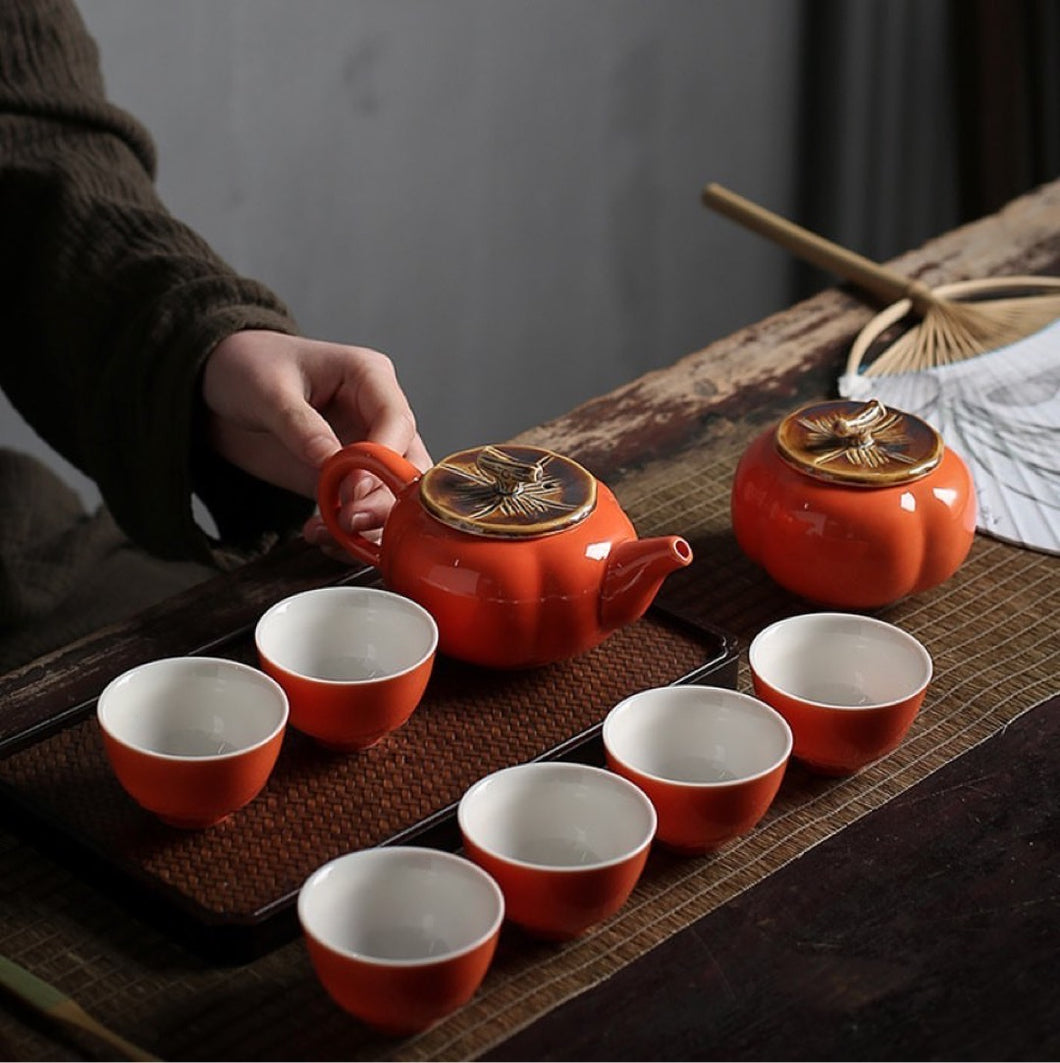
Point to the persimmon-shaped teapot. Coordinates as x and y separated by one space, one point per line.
519 553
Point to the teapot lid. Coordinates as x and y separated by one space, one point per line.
858 443
508 491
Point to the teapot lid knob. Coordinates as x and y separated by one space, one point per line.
858 443
508 491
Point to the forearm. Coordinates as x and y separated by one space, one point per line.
113 305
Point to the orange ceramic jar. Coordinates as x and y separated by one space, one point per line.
852 505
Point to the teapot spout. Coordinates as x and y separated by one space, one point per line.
635 571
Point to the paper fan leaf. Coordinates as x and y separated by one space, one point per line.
1000 412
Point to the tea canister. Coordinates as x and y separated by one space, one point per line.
853 505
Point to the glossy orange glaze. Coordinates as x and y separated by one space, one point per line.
841 741
506 602
854 547
348 716
560 903
696 819
400 999
192 792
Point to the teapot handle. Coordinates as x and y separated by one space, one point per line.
386 464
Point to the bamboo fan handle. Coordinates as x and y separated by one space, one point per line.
53 1004
864 272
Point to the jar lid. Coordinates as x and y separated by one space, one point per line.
858 443
508 491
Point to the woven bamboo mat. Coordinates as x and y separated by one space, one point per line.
992 632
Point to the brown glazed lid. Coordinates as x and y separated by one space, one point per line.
508 491
858 443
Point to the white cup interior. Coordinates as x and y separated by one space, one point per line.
400 904
697 735
192 707
840 660
346 634
557 815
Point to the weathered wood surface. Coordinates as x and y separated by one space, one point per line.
771 363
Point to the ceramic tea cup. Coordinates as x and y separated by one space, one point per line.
710 759
566 842
354 661
400 936
849 686
192 739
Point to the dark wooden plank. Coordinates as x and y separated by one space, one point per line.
48 689
930 929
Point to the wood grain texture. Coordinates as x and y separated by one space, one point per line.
771 364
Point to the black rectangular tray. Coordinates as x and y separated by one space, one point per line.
229 891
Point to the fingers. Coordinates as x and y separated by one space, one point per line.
372 406
381 406
366 519
367 512
417 453
281 405
302 430
315 532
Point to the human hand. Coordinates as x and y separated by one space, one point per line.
279 406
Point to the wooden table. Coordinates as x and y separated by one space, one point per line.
920 921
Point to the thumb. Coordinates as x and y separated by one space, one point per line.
305 433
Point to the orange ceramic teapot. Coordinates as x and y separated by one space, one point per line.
852 505
520 554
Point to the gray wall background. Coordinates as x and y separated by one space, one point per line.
503 195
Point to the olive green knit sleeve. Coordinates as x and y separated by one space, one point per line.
110 305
